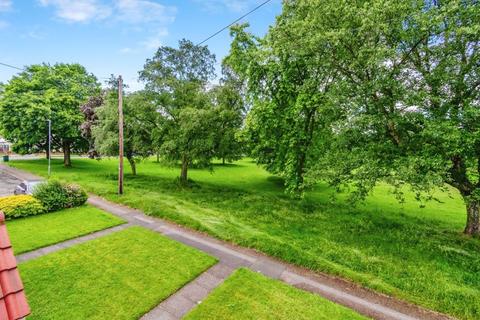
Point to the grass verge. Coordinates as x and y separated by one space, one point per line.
249 295
414 253
119 276
35 232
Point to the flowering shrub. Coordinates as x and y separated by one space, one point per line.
20 206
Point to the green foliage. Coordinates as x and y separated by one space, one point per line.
185 117
375 90
51 194
139 113
45 92
20 206
229 113
190 138
75 195
55 195
288 91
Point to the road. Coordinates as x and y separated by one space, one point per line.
7 184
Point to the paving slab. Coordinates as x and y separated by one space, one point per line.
159 314
178 306
188 297
269 268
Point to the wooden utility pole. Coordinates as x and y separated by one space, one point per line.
120 135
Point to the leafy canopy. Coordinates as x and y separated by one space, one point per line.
43 92
178 77
393 87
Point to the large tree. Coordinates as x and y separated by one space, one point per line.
43 92
229 106
178 77
288 92
408 92
139 112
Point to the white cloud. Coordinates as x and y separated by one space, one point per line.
78 10
132 15
126 50
5 5
35 33
143 11
151 43
3 24
133 12
155 40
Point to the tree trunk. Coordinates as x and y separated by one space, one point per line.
133 165
301 171
67 162
158 157
473 218
183 175
223 160
47 153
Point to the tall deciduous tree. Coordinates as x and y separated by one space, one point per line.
45 92
139 114
229 106
288 91
408 91
178 77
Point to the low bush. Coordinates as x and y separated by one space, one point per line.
55 195
20 206
76 195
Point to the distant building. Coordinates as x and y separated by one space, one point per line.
5 146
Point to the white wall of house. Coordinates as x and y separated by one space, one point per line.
5 146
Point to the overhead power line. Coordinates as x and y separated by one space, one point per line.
24 69
200 43
10 66
231 24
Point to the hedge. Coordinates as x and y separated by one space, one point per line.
55 195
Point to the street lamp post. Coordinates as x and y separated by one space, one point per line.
120 135
49 145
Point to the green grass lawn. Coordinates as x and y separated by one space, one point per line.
249 295
417 254
119 276
34 232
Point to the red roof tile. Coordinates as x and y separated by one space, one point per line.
13 303
7 260
17 306
4 239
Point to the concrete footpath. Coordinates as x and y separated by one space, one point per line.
231 257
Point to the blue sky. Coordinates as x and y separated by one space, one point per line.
116 36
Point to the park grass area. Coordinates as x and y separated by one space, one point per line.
119 276
35 232
414 253
249 295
